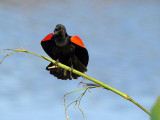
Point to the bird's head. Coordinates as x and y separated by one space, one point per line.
60 31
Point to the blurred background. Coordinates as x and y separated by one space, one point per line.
123 40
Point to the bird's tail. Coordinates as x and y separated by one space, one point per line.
60 73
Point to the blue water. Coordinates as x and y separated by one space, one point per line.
123 41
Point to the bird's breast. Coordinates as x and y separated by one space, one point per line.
65 51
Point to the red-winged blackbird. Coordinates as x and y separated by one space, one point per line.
67 50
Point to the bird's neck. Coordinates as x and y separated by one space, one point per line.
61 41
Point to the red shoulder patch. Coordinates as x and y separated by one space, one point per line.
76 40
48 37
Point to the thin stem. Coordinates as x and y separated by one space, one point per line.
87 77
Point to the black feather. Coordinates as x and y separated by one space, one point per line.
60 47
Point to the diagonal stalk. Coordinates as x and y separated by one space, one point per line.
85 76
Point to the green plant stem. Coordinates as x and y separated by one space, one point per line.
87 77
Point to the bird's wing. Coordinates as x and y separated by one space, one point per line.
80 51
76 40
47 45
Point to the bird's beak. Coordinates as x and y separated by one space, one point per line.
56 31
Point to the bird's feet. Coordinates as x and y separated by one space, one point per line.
71 72
55 65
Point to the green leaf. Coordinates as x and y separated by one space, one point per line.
155 113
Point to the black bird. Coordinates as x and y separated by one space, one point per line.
67 50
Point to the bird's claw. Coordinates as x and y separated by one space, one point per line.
55 65
71 71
